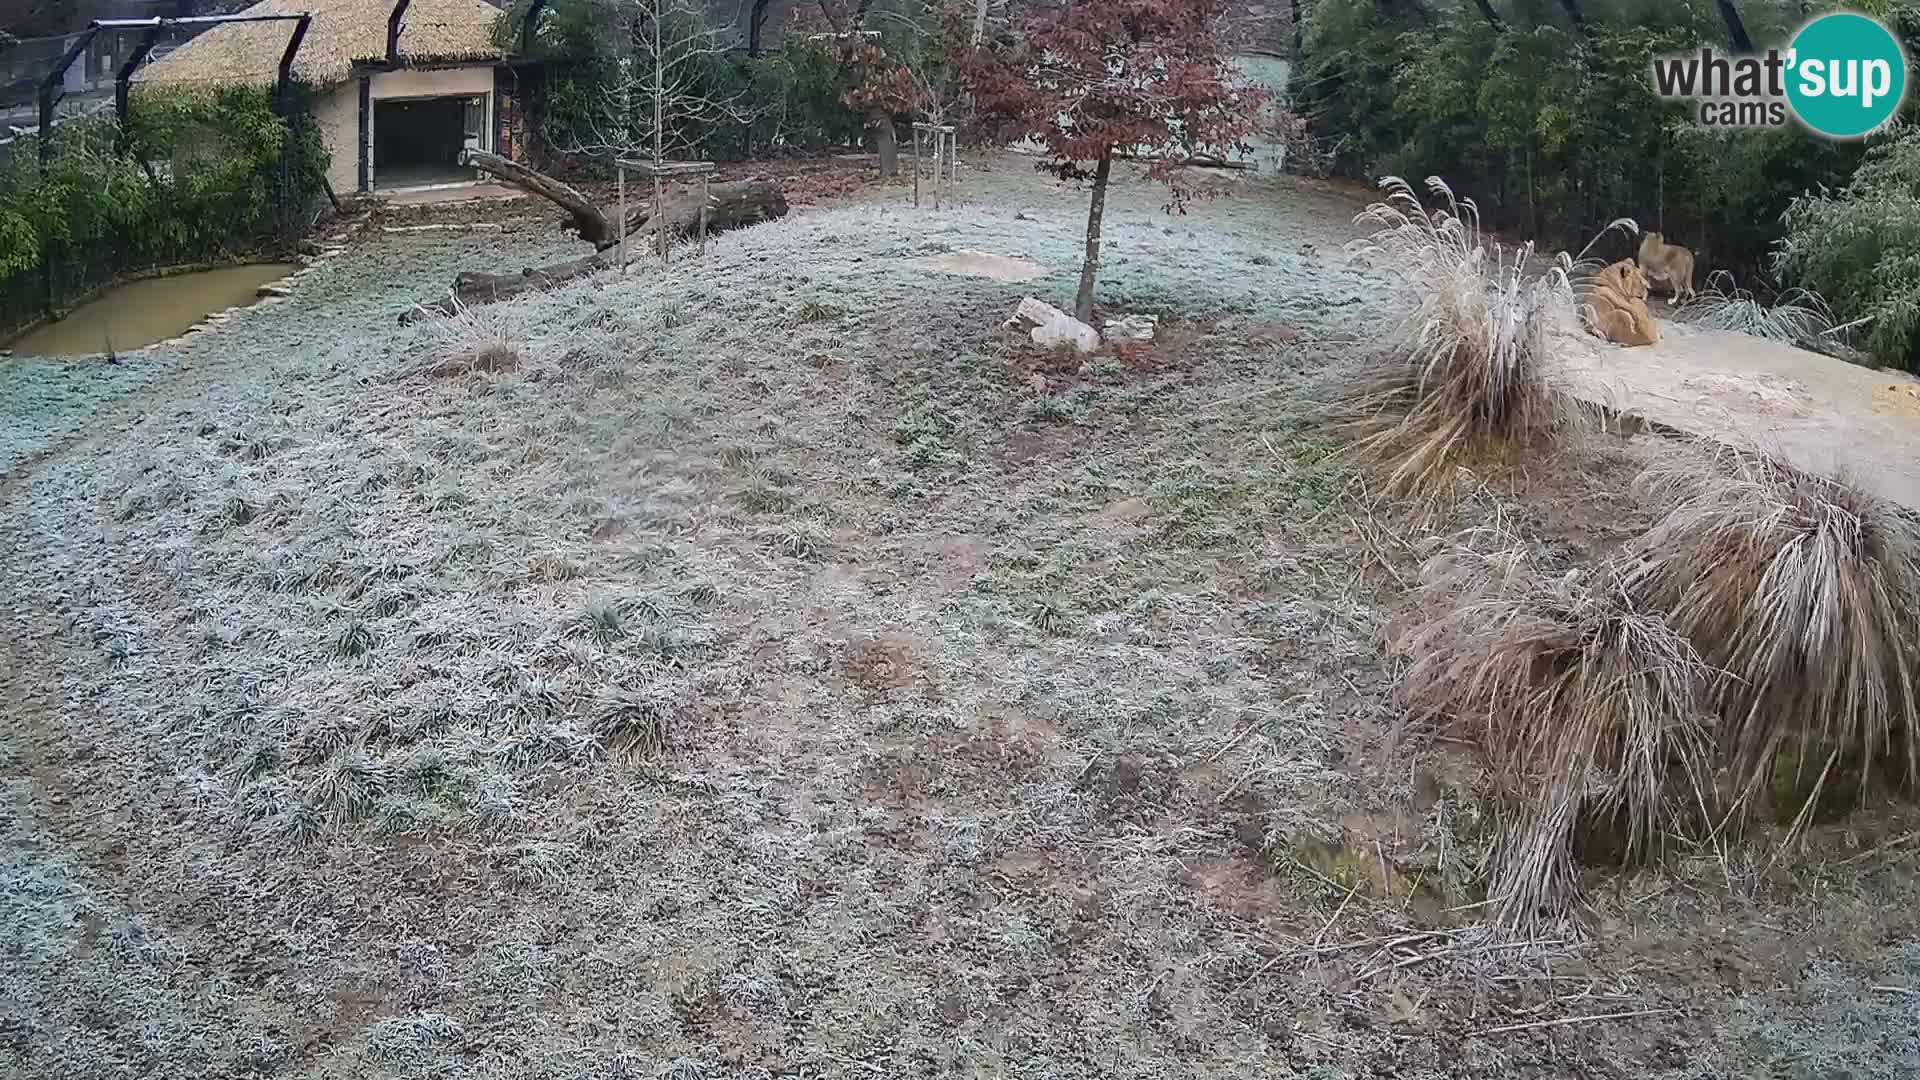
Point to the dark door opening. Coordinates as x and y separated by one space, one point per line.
418 140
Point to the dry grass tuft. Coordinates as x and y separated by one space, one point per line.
486 339
1586 703
1460 376
1797 317
1806 592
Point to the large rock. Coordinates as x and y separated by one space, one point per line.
1137 329
1053 328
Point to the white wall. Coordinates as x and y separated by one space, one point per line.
445 82
338 113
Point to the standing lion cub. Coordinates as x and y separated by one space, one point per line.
1615 305
1669 264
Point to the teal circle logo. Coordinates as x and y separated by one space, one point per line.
1846 75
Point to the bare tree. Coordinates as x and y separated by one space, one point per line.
660 98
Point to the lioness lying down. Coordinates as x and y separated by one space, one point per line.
1669 264
1615 306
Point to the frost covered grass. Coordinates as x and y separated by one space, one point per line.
757 677
747 615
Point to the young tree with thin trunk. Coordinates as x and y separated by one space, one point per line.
1577 17
882 88
757 25
658 99
1092 80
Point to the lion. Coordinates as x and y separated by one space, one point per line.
1616 305
1669 264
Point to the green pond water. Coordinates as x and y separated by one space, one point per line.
139 313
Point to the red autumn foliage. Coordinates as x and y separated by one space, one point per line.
1092 79
882 83
875 84
1089 78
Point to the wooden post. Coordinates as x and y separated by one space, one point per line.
953 160
659 209
945 148
706 200
621 170
661 172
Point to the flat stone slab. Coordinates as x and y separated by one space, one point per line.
986 265
1820 414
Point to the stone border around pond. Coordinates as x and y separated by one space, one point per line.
278 291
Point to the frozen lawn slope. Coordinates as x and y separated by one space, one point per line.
758 675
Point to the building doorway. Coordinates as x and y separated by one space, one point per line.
417 141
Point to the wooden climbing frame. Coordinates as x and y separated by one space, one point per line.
703 170
945 145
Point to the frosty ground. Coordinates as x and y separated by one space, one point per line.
783 670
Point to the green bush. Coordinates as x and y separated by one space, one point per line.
193 177
1554 133
1860 248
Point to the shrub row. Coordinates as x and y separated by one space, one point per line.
192 177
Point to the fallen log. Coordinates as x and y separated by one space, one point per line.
728 206
587 220
474 287
1189 163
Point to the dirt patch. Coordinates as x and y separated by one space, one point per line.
986 265
1899 398
1122 512
950 561
1760 394
1274 335
492 359
886 662
1175 345
1022 448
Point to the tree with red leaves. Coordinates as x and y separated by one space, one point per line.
877 85
1092 79
882 87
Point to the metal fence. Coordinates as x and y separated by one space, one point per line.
95 187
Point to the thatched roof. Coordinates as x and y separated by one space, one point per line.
344 32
